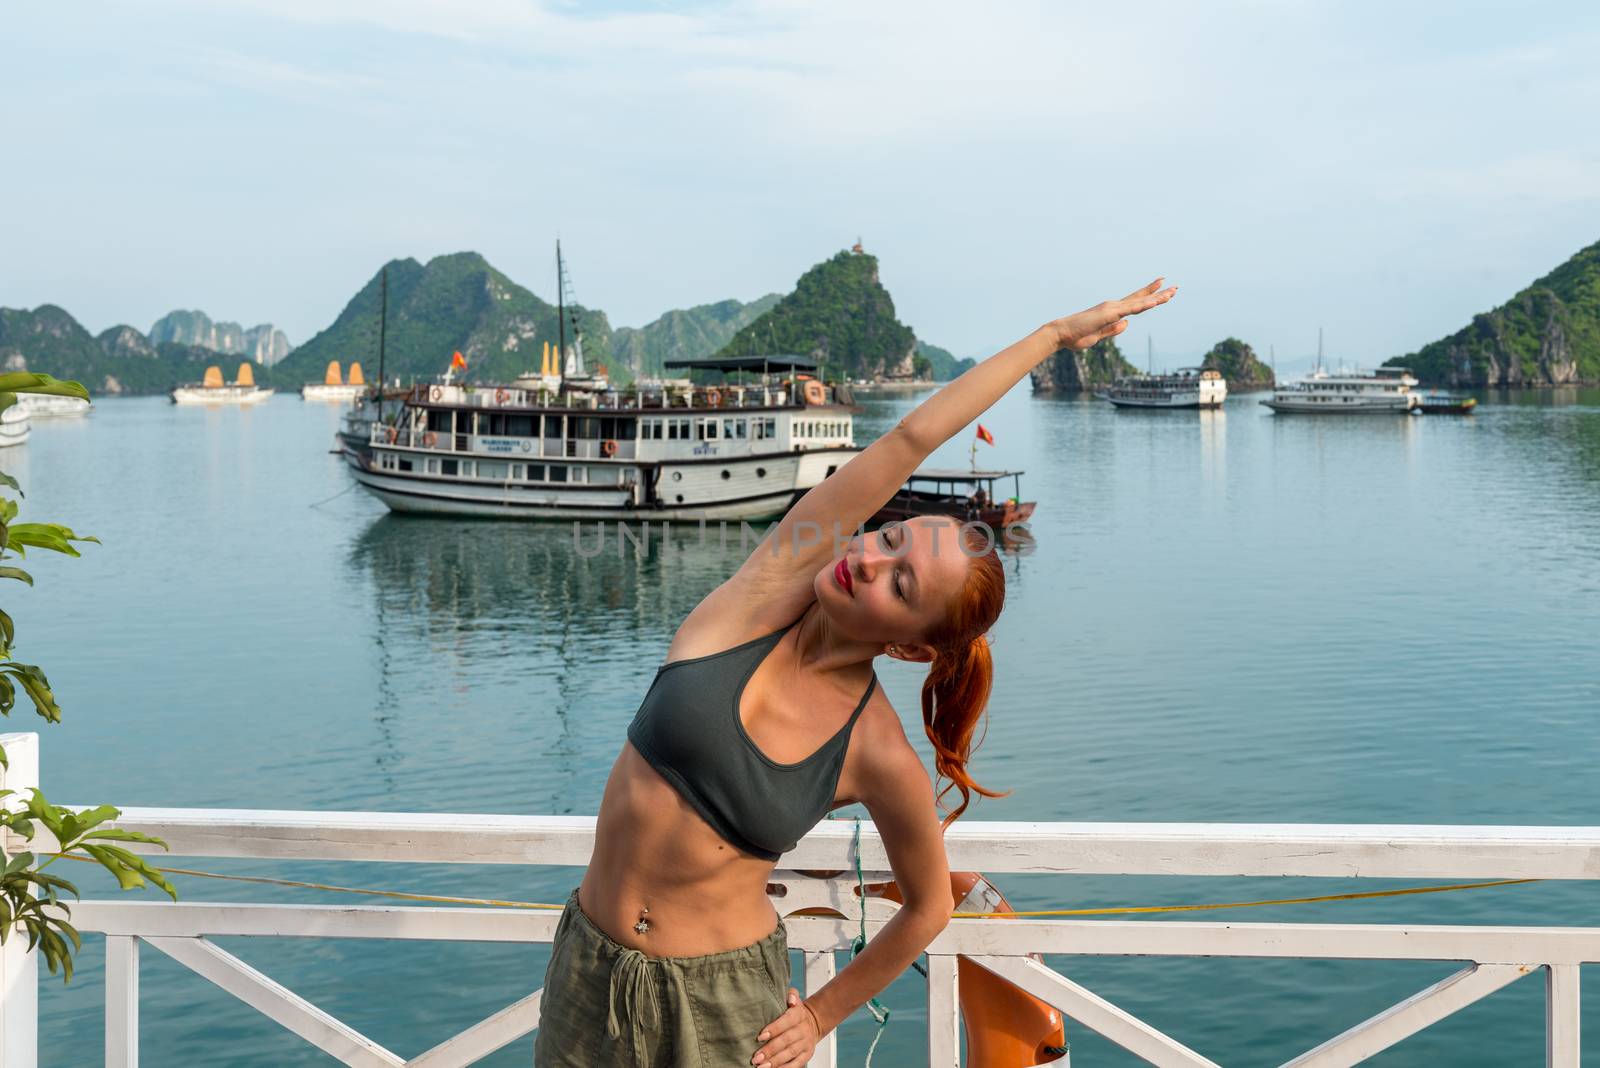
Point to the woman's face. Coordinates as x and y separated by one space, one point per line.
897 583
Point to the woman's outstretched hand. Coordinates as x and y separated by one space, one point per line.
1108 319
793 1036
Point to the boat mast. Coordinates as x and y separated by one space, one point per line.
561 316
1319 348
383 323
1149 355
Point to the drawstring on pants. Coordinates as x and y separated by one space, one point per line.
631 972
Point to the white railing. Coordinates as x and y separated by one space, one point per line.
1491 957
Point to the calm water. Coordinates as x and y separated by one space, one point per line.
1227 616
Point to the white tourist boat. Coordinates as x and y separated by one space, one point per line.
14 425
49 406
670 450
242 391
1188 387
1387 390
335 387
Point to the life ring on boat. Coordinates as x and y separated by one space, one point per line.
428 439
714 397
435 392
501 396
1006 1027
390 434
815 392
608 447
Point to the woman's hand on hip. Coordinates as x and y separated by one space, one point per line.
791 1038
1108 318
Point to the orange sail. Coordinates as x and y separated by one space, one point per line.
213 379
333 377
355 375
246 376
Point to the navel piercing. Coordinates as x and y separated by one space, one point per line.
643 925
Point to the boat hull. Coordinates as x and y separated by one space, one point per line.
1192 401
1297 407
14 426
48 406
220 396
320 391
705 494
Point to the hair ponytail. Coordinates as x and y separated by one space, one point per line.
956 692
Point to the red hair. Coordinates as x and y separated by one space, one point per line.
956 691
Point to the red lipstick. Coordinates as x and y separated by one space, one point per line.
841 575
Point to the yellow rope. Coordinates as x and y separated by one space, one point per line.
1246 904
1117 911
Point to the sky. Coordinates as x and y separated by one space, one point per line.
1383 171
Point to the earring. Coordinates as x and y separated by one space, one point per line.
894 650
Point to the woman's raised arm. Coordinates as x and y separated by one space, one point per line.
858 489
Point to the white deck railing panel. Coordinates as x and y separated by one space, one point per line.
1372 851
1492 956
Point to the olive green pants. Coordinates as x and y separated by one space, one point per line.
605 1004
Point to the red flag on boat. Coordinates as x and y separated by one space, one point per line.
458 362
984 436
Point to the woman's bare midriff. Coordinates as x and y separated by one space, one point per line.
654 851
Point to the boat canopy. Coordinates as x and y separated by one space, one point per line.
766 364
953 474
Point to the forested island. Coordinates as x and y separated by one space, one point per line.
839 314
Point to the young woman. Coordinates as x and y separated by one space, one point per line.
765 716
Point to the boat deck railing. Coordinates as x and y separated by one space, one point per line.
495 446
631 399
1491 957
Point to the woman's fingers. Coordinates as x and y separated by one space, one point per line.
1145 291
1142 301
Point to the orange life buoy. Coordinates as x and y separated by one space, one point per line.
428 439
714 397
608 447
501 396
391 434
1006 1027
434 393
815 392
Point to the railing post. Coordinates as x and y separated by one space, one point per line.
944 1011
122 1001
1562 1017
820 970
19 969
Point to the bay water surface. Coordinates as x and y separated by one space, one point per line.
1225 616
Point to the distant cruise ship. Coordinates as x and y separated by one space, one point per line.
1189 387
243 390
1386 390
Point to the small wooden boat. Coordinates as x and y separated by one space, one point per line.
1438 402
967 495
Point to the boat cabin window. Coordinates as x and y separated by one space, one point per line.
650 429
439 421
764 428
552 426
733 428
678 430
433 466
493 469
558 473
705 430
449 467
536 472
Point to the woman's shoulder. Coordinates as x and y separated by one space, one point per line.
727 618
880 741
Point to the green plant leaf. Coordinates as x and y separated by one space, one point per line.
32 382
16 573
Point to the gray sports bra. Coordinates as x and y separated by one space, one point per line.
688 729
